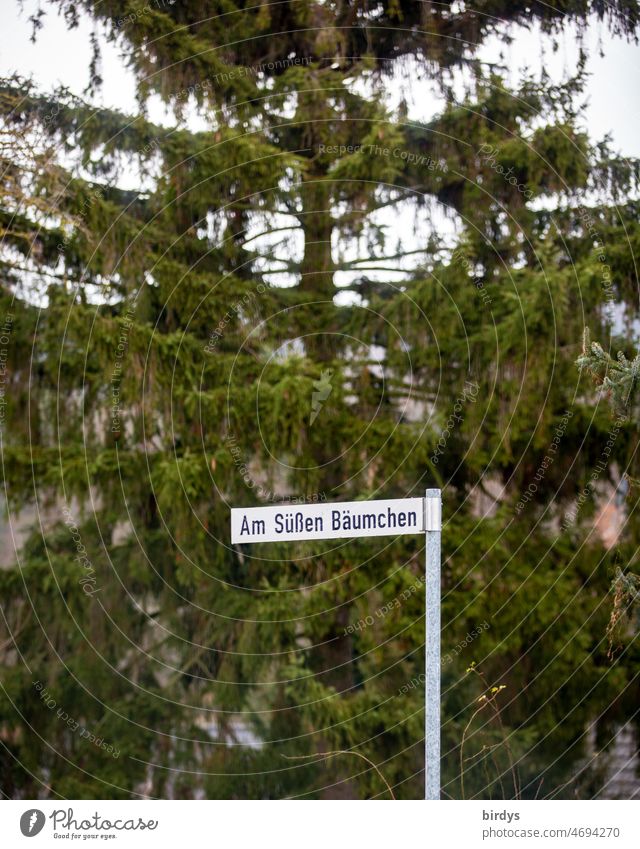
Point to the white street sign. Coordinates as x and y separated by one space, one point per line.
389 517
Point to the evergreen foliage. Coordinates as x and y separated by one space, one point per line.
164 346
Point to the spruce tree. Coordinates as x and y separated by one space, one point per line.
165 348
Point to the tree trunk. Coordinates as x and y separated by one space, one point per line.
317 268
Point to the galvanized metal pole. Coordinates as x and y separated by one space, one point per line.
433 530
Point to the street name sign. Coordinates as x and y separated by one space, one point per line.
388 517
382 517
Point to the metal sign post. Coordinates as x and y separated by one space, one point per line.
433 526
390 517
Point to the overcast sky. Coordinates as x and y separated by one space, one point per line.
61 56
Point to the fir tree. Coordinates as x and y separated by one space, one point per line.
159 371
